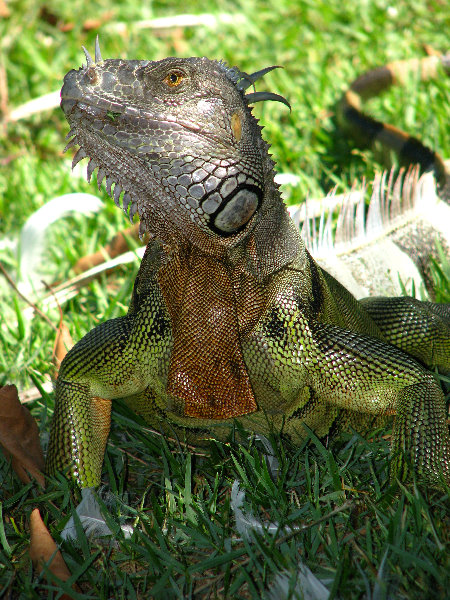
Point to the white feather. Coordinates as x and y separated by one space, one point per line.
271 460
246 524
307 586
91 519
34 234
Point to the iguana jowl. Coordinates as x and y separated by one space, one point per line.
230 315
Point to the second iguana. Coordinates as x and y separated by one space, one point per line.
231 318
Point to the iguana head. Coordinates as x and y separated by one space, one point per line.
178 139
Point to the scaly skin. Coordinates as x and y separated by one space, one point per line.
230 316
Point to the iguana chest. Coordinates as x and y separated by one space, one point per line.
214 346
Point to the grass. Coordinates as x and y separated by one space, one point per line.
359 535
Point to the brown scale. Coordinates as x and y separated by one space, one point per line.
207 370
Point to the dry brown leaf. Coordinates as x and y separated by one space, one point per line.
118 245
4 108
179 41
66 27
54 19
43 547
19 436
97 23
431 51
63 343
4 10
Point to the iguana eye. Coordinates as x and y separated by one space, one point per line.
174 78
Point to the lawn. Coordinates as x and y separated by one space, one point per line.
340 523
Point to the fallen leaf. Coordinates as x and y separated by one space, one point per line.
431 51
48 16
97 23
4 10
55 20
63 343
43 547
118 245
65 27
19 436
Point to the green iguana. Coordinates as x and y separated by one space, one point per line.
230 318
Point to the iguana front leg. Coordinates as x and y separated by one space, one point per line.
117 359
79 434
81 420
362 374
421 329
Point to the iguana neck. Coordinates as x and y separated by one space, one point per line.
255 255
